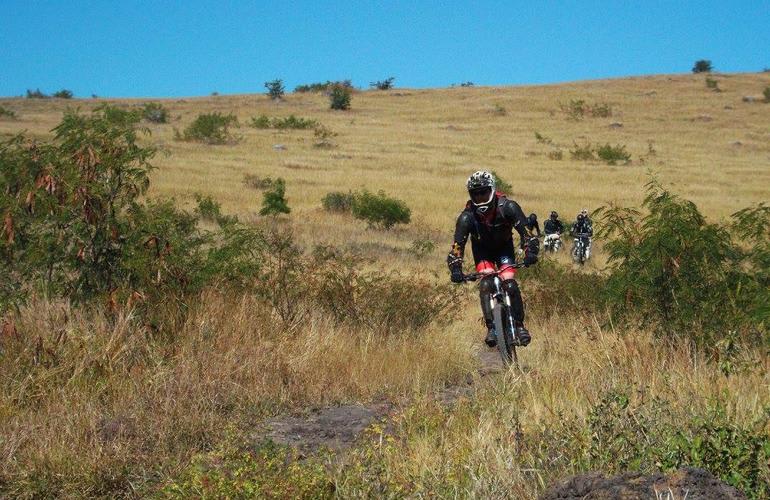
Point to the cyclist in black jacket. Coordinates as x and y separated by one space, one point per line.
553 225
489 218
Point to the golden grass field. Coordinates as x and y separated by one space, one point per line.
231 366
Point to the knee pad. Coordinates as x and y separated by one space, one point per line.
485 287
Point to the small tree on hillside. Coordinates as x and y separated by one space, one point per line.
702 66
64 94
275 89
339 97
274 200
386 84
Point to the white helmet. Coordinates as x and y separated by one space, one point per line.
481 188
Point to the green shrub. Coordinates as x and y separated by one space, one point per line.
337 201
379 210
702 66
7 113
211 128
684 275
766 93
501 184
340 97
36 94
386 84
323 87
155 112
261 121
209 209
613 154
275 89
575 110
274 200
583 152
63 94
712 84
257 182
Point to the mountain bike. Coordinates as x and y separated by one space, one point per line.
502 314
579 248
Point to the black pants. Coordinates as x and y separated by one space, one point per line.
497 255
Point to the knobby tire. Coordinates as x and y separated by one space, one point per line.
504 338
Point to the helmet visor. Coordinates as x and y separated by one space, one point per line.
481 196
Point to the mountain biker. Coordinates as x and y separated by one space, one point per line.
532 226
489 218
583 229
584 213
553 225
552 228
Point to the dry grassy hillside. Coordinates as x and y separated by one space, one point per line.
98 405
420 145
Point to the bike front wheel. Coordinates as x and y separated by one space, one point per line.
504 337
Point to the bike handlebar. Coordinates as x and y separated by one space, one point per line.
475 276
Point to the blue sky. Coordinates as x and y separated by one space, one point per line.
194 47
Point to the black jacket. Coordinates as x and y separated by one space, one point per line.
493 232
553 226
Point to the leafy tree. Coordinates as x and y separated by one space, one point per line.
340 97
64 94
210 128
36 94
702 66
274 200
275 89
380 210
386 84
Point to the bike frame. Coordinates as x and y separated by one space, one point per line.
502 313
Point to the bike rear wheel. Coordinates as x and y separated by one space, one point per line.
504 337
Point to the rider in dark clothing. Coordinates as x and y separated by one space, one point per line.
532 226
583 229
489 218
553 225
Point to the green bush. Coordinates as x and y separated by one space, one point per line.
275 89
577 109
7 113
766 93
63 94
155 112
337 201
36 94
340 97
289 122
274 200
712 84
211 128
379 210
702 66
323 87
386 84
685 276
613 154
209 209
500 184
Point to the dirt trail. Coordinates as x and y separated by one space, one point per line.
338 427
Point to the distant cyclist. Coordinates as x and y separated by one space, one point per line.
583 230
553 229
532 226
489 218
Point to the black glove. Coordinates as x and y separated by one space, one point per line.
455 267
529 259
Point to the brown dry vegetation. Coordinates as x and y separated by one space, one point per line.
105 408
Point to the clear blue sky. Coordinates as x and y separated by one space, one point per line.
195 47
